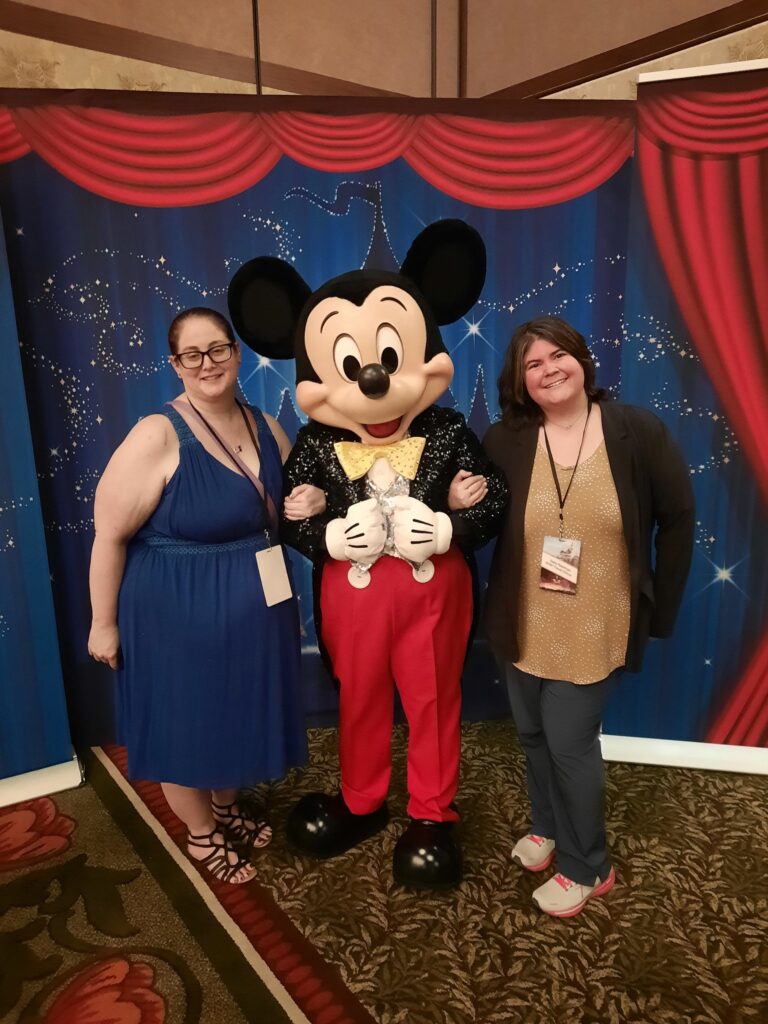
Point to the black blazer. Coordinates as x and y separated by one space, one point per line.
450 446
656 501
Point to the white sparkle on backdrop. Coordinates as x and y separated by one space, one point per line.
723 574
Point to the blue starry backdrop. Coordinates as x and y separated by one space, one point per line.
34 732
95 284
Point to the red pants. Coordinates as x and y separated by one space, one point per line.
413 635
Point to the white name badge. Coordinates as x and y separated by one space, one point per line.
560 564
273 575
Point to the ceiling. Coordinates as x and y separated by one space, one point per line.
421 48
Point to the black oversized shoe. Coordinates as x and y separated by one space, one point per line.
321 825
428 856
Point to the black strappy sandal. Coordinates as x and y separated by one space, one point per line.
247 825
217 861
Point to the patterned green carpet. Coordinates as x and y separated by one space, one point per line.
681 939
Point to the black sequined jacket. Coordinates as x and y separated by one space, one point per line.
450 446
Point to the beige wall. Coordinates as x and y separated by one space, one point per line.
379 44
27 63
747 44
219 24
383 44
511 41
448 48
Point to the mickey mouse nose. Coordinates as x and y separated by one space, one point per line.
373 380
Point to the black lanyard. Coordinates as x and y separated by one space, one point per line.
560 496
245 470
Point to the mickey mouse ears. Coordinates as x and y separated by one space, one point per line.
447 264
265 298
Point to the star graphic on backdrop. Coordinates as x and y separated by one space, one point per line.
723 574
54 451
19 231
556 268
264 363
473 331
162 260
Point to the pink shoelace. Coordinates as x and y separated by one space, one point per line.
563 882
539 840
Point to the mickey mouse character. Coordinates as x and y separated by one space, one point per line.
394 587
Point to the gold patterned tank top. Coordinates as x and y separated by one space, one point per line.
579 637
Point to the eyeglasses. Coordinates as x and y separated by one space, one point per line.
193 360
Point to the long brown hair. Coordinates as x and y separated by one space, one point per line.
517 407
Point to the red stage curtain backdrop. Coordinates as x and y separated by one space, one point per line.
190 159
703 156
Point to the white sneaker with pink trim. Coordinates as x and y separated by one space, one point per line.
534 853
560 897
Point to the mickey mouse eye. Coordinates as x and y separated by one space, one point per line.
346 356
389 348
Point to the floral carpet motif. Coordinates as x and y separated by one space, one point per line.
30 834
681 939
99 929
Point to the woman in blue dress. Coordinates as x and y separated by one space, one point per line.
208 672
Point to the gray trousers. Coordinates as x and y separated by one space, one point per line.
559 725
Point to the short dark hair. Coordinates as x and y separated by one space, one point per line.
205 313
517 407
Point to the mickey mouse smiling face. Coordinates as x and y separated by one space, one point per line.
369 355
374 377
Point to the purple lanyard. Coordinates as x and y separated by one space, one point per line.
247 473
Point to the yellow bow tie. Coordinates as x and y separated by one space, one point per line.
403 456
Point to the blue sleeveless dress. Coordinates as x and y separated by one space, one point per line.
208 690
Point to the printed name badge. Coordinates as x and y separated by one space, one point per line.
273 575
560 564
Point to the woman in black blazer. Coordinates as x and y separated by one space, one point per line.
574 591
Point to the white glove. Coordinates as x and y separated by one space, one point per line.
419 532
359 536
